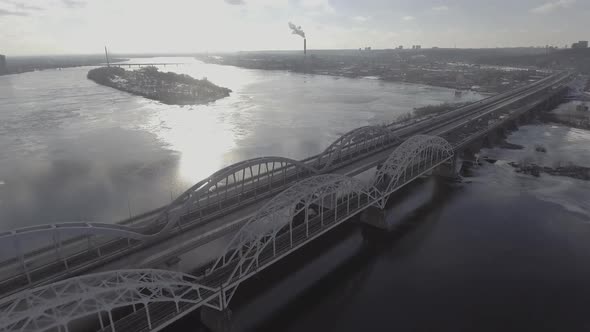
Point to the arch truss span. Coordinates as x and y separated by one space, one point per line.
15 245
229 187
414 157
235 185
289 220
356 142
56 305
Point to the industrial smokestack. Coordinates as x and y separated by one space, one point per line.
106 55
296 30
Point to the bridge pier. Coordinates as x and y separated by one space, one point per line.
491 139
375 217
512 125
217 321
449 169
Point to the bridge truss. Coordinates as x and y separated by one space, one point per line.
288 221
226 190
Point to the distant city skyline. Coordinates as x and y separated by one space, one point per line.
35 27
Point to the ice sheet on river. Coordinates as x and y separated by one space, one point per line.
564 145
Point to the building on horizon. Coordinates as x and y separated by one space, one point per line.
3 68
580 44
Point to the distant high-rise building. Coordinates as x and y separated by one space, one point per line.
418 47
3 69
401 47
580 44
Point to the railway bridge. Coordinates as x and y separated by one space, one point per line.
58 274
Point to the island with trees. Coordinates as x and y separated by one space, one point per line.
168 88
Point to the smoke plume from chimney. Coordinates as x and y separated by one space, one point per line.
296 30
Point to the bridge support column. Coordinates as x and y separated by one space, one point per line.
375 217
215 320
449 169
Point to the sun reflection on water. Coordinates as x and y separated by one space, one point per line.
200 137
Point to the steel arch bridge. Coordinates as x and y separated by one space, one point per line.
232 186
413 156
224 191
56 305
304 211
356 142
288 221
237 184
236 181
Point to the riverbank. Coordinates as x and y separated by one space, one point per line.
168 88
572 171
574 114
393 66
425 112
59 129
27 64
544 148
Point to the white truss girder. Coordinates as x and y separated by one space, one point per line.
367 137
59 303
256 173
416 149
55 305
240 171
248 172
263 227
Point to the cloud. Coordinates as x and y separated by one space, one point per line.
4 12
552 6
408 18
323 5
440 8
14 8
361 18
21 6
74 3
235 2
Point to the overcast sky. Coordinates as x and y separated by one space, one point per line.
85 26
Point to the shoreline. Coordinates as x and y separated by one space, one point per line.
32 67
168 88
366 77
465 78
